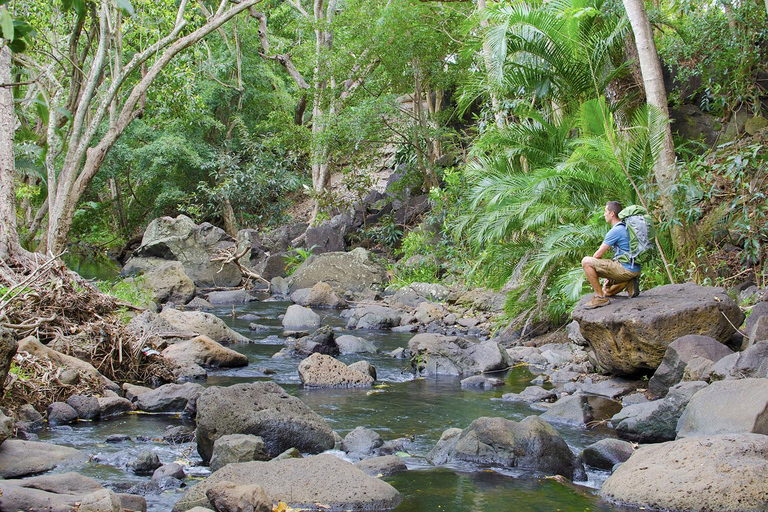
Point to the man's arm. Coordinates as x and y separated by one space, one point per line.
599 253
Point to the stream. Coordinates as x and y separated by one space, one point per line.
399 405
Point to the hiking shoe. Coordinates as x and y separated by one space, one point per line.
597 302
633 287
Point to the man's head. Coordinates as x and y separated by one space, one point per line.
611 214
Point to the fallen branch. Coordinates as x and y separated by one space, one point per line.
232 256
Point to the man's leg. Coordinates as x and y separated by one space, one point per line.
588 264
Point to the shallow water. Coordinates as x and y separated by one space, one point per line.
399 406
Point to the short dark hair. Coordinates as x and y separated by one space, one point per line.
614 206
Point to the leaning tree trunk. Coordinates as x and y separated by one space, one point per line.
656 95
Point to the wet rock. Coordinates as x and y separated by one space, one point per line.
530 444
103 500
301 483
630 336
322 341
688 474
656 421
117 438
319 296
237 448
179 434
146 463
606 453
531 394
386 465
361 443
60 413
355 270
354 345
23 458
86 407
364 367
199 323
229 497
114 406
678 354
199 304
481 381
52 493
433 354
203 351
727 407
169 283
172 470
611 388
320 370
231 297
263 409
373 317
581 410
298 317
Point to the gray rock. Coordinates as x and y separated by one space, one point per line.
354 345
199 304
8 347
611 388
178 434
758 310
329 235
433 354
364 367
69 377
531 394
230 297
481 381
230 497
373 317
698 368
114 406
319 296
759 331
172 470
263 409
60 413
169 283
361 443
279 286
52 493
688 474
581 410
301 483
319 370
727 407
169 397
146 463
203 351
237 448
427 312
530 444
606 453
629 336
298 317
678 354
656 421
86 407
27 418
322 341
355 270
574 334
196 323
6 427
386 465
23 458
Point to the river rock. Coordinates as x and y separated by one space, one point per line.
727 407
385 465
169 397
433 354
373 317
6 427
752 363
354 345
630 336
195 246
677 356
8 346
721 472
203 351
263 409
530 444
172 470
87 407
363 367
319 370
319 296
298 317
33 346
329 235
361 443
169 283
51 493
146 463
234 448
580 410
355 271
427 312
229 497
226 297
60 413
28 419
606 453
114 406
655 422
530 395
199 323
23 458
302 483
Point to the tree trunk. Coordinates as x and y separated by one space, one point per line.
498 116
228 217
656 95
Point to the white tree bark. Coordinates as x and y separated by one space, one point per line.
9 238
655 93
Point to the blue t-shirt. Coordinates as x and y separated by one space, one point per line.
618 239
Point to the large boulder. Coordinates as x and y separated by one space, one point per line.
23 458
263 409
33 346
329 236
606 453
169 398
201 323
655 422
311 483
752 362
169 283
712 473
8 346
319 296
677 356
355 270
530 444
727 407
203 351
433 354
631 336
580 410
373 317
63 492
299 317
235 448
323 371
195 246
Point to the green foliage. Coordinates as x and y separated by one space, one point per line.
132 290
295 257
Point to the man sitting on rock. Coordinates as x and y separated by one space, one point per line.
618 275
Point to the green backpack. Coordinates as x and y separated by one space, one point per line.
641 234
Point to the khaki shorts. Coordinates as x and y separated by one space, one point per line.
613 270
